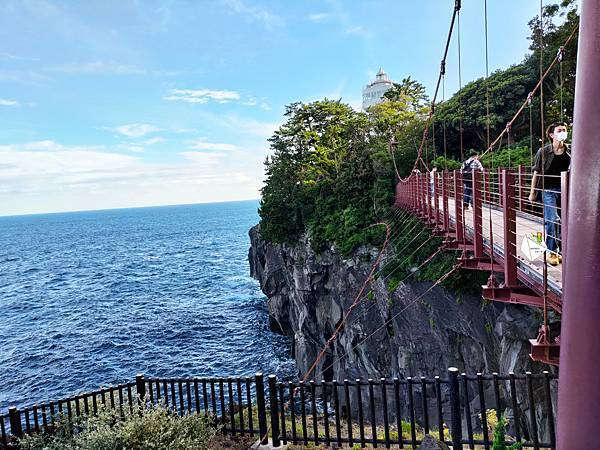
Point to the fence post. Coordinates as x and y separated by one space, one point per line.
428 197
274 411
510 229
458 206
14 416
140 386
446 225
477 215
436 203
455 419
261 409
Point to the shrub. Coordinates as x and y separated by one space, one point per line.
500 436
152 428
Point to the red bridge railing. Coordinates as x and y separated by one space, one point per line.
501 231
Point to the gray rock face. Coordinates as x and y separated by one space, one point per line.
308 294
431 443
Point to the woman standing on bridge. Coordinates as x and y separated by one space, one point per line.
550 161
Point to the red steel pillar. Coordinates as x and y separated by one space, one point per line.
579 389
510 229
436 203
418 193
477 215
458 207
445 201
428 196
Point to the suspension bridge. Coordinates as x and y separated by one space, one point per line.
493 236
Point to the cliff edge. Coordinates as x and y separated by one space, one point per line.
308 293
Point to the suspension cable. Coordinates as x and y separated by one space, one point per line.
460 105
444 123
529 100
391 319
533 91
419 159
489 177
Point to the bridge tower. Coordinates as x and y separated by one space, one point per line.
579 389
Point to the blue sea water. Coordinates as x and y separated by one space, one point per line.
92 298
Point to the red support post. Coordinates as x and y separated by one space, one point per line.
424 205
418 192
436 203
477 216
510 229
445 201
578 389
428 197
458 206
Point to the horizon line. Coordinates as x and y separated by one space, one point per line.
122 207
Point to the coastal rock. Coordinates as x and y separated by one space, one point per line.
308 293
431 443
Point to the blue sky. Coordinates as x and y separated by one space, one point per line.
118 103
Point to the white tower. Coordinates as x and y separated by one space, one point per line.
373 92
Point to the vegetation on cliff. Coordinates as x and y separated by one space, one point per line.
332 170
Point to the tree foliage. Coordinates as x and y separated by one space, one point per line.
507 89
332 170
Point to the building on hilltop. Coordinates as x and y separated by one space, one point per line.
373 92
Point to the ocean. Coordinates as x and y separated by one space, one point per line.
89 299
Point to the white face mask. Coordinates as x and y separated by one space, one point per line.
561 136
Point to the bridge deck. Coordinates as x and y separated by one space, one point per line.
526 225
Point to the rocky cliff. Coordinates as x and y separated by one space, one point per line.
308 293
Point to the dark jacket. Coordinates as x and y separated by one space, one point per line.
548 156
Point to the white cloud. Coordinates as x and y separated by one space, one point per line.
340 15
47 176
202 95
185 130
7 102
202 158
319 17
357 30
250 102
153 140
45 146
26 77
251 126
10 56
132 148
201 144
100 68
135 130
254 13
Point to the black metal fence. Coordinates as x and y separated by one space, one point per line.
459 409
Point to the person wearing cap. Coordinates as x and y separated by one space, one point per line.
550 161
467 175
